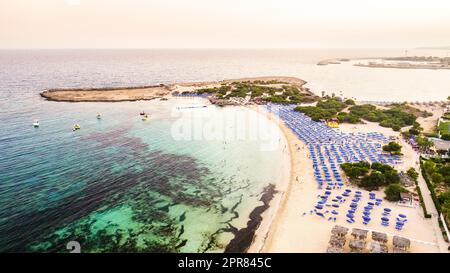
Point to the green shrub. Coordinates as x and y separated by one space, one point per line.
355 170
392 147
316 113
349 102
393 118
429 184
348 118
332 103
412 173
393 192
437 178
372 181
371 177
424 142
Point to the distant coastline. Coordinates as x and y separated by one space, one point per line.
407 62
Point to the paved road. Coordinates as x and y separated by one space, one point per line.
431 208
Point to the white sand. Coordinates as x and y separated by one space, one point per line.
282 187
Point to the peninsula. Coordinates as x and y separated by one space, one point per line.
256 90
109 94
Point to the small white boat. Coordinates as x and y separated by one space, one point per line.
191 107
36 123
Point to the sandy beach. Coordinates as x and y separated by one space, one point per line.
289 231
283 187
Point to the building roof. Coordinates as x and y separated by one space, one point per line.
359 233
339 230
405 195
358 245
333 249
376 247
379 236
441 145
401 242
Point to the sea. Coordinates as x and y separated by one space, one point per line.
184 180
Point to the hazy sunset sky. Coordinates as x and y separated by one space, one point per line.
224 23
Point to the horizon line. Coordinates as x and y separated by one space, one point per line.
212 48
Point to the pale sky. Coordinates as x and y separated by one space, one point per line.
224 23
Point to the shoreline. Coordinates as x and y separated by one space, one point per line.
282 187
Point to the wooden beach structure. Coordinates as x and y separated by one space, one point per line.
337 239
359 234
377 247
357 245
379 237
401 244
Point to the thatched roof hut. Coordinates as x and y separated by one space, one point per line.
399 250
402 243
333 249
357 245
359 233
337 241
379 237
376 247
339 231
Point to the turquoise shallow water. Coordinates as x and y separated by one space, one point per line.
118 184
121 184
